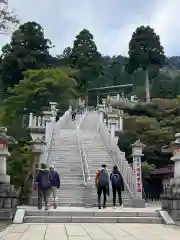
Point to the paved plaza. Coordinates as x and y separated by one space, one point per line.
90 232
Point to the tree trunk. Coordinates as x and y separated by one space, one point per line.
86 94
148 99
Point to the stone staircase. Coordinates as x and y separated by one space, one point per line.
64 154
80 215
97 154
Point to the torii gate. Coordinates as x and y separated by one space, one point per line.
113 88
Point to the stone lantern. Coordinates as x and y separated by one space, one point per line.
171 197
53 108
175 146
8 195
4 153
137 154
38 148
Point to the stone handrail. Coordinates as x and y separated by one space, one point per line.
82 151
88 180
52 128
83 157
119 159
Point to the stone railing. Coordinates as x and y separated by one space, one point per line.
82 154
85 168
50 129
37 121
119 159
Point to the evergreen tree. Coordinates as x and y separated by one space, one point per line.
28 49
64 58
86 58
145 50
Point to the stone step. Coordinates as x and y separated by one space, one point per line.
52 219
75 187
75 182
93 216
108 212
71 176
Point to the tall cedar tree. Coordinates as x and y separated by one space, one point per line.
145 51
86 58
28 49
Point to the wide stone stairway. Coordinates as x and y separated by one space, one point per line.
77 150
97 154
65 155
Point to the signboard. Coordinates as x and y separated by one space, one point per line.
3 145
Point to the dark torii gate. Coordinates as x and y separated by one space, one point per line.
109 88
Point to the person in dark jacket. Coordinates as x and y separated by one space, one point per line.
117 185
44 185
55 183
73 114
102 184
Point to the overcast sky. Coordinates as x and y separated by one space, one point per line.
110 21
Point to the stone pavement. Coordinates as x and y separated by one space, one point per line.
90 232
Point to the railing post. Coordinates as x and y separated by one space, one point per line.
88 197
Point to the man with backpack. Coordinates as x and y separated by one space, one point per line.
55 183
102 184
117 185
44 185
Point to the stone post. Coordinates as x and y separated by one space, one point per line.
88 197
137 154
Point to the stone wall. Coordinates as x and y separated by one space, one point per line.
8 202
170 200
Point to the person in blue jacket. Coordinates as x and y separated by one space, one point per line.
55 183
43 185
117 185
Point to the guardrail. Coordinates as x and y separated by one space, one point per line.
119 159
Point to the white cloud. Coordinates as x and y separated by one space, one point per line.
111 22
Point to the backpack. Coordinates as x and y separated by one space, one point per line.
115 179
103 179
45 181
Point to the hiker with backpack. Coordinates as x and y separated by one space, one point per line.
117 185
44 185
55 183
102 184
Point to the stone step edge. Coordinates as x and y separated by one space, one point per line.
53 219
98 213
